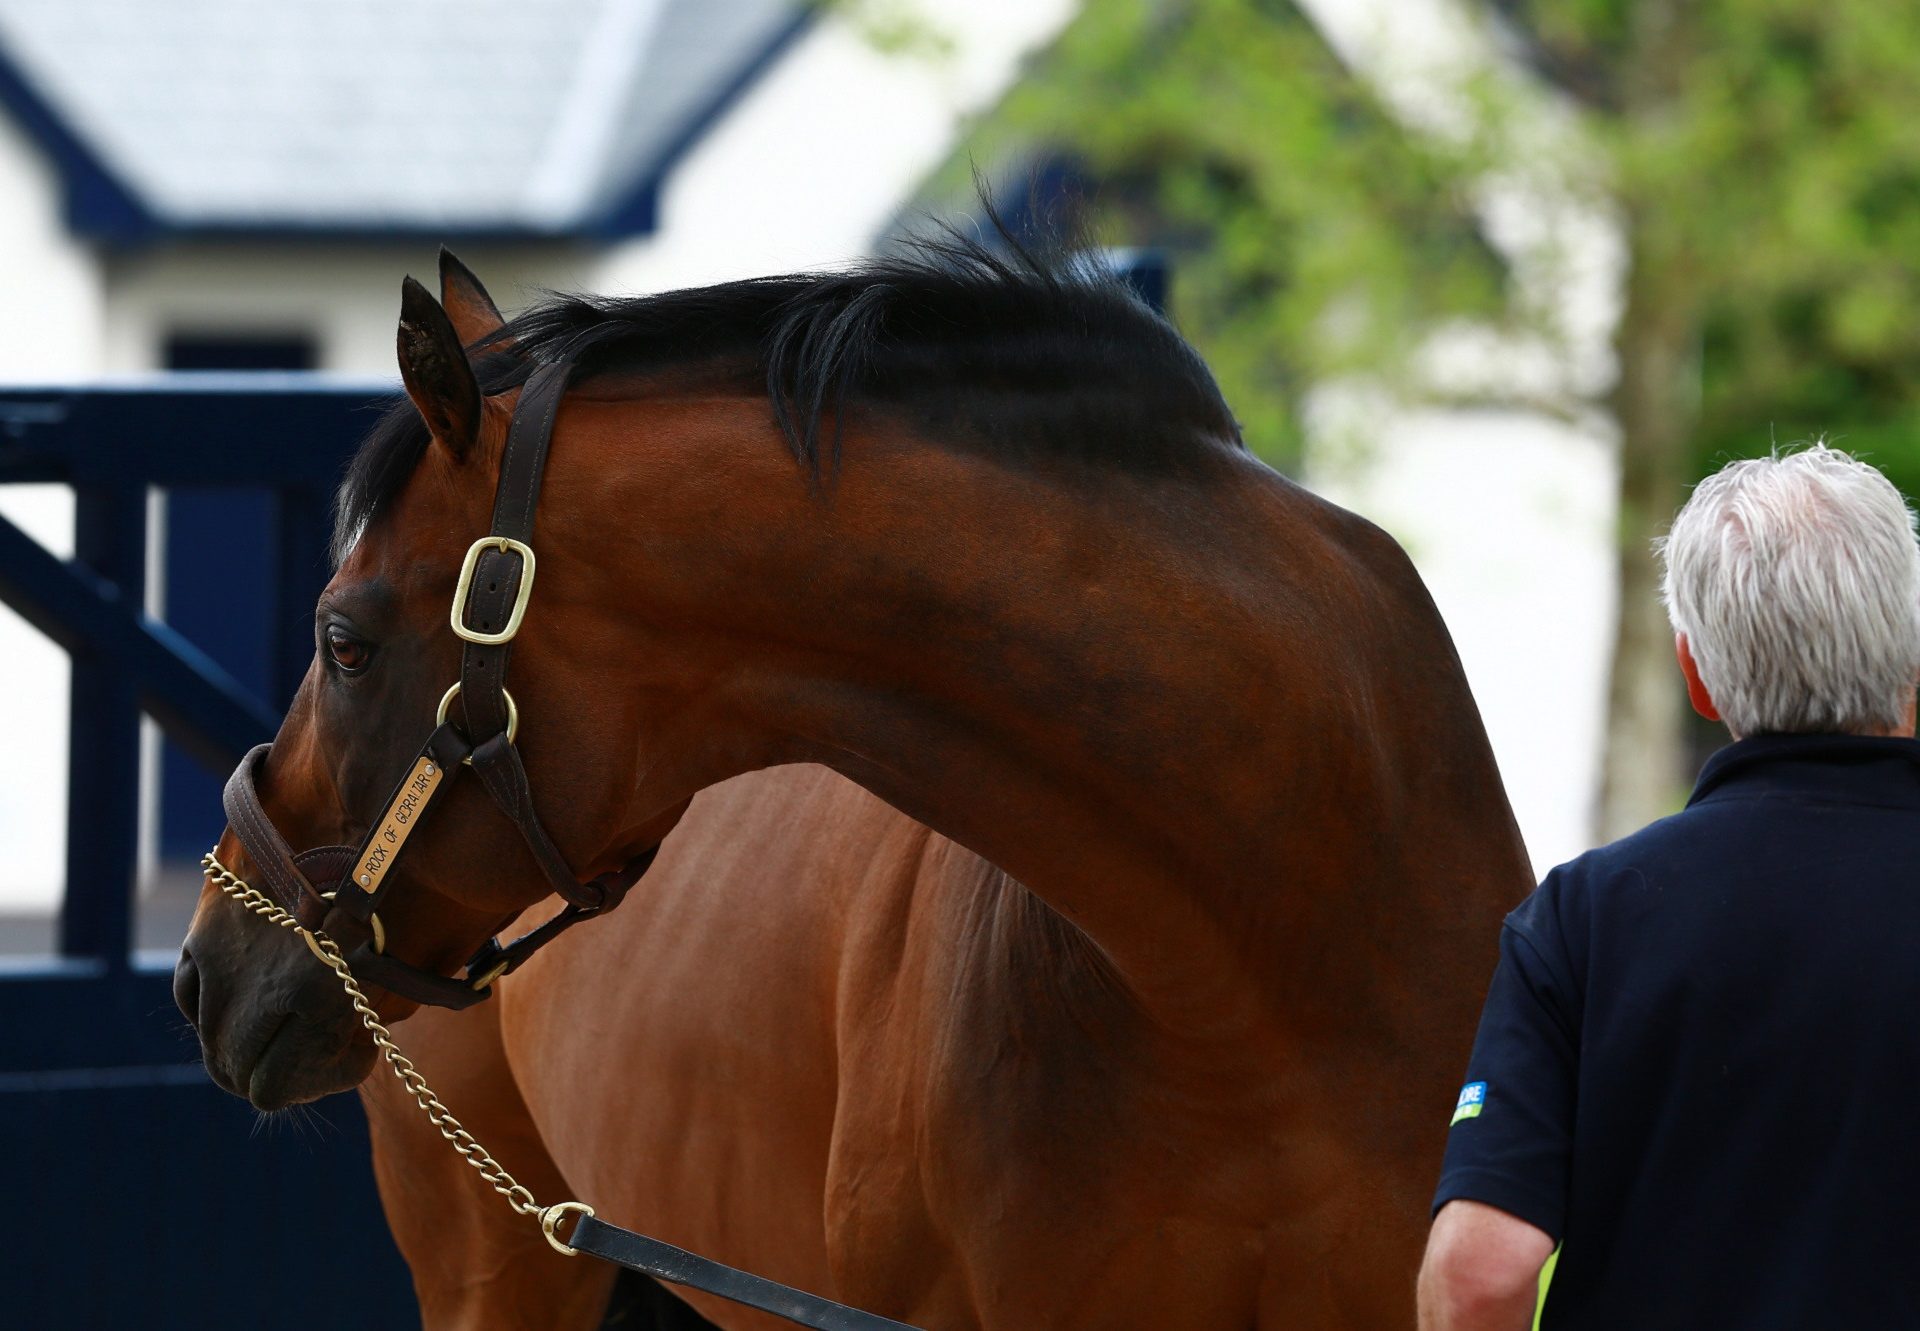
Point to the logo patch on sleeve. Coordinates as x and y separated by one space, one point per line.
1473 1098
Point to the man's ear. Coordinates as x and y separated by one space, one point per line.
434 368
1696 687
470 309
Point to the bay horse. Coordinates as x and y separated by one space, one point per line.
1169 1042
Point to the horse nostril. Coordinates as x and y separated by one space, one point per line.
186 987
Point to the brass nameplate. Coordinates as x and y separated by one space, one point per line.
401 817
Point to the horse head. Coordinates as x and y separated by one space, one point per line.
274 1026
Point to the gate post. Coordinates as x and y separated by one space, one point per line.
301 571
103 755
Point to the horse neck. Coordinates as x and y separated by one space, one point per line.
1096 680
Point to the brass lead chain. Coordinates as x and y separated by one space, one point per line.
439 1115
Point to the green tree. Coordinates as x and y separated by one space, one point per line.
1761 157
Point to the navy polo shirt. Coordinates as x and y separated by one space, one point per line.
1699 1062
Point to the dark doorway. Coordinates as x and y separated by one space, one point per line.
219 580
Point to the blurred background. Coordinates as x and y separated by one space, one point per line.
1504 275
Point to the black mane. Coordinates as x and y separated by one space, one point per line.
1032 356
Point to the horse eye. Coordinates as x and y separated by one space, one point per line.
349 653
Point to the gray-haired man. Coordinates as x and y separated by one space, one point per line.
1700 1058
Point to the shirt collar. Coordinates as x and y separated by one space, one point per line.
1850 768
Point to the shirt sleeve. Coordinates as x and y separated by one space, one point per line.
1511 1138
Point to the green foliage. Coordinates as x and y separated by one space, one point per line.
895 27
1783 180
1310 234
1767 153
1764 154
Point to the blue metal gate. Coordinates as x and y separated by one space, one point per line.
151 1197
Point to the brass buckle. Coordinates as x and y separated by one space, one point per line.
550 1218
493 973
446 701
467 570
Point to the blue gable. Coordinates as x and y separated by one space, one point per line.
360 119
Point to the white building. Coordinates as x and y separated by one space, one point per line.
188 178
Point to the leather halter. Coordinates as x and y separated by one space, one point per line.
341 888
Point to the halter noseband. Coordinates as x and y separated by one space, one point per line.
342 887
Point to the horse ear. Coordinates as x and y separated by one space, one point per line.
434 367
466 302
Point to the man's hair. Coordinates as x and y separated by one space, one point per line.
1796 579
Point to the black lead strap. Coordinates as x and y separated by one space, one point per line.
663 1261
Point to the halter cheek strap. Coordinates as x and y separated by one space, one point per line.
342 887
496 579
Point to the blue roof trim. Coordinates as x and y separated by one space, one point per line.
636 212
99 204
369 233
